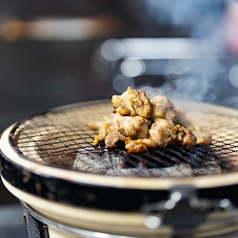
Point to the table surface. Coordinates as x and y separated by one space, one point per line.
12 222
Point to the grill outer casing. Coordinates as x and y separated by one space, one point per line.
97 202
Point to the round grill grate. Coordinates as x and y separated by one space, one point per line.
59 136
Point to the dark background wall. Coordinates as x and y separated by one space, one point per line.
36 74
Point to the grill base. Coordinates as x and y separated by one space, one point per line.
42 227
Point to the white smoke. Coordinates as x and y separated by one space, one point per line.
205 78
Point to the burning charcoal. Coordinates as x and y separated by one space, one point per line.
174 171
142 165
179 170
90 162
86 149
129 172
55 155
117 161
209 168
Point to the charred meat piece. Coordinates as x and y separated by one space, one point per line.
132 103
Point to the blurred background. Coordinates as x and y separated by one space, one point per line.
60 52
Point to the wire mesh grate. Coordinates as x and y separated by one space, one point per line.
59 137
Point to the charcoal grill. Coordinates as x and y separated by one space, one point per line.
37 157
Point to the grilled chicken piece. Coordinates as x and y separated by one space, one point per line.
139 145
102 133
142 123
109 135
162 107
134 127
162 133
120 128
184 136
114 138
132 103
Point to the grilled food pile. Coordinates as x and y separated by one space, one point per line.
141 123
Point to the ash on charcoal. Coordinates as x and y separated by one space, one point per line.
209 168
117 161
181 170
91 162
